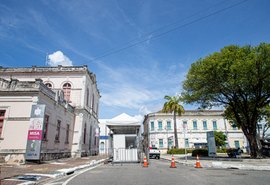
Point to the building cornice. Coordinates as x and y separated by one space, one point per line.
191 113
50 70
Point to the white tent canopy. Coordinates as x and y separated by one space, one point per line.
124 124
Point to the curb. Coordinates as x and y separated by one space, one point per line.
57 174
221 164
69 171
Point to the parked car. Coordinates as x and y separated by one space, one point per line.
154 152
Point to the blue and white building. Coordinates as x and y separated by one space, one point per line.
192 127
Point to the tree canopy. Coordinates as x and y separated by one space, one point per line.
220 138
237 78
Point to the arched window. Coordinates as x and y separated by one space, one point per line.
87 97
67 90
93 103
84 134
49 85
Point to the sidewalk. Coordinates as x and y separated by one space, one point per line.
222 162
38 173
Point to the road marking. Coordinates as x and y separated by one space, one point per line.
79 173
57 183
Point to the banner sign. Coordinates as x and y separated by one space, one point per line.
211 144
34 137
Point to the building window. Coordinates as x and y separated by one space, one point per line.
152 126
195 127
93 102
45 128
2 116
87 97
234 126
160 141
185 125
186 143
67 90
236 144
204 125
214 125
170 143
97 110
102 146
169 126
67 134
49 85
84 134
58 128
160 125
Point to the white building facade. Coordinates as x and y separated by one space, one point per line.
192 127
77 86
104 137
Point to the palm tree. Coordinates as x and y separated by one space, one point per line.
172 106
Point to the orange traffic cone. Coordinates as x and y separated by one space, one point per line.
173 163
145 163
198 164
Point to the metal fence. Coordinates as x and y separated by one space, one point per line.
126 155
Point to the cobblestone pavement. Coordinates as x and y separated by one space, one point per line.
48 167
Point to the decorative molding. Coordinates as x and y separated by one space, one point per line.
18 118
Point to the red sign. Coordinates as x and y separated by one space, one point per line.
34 134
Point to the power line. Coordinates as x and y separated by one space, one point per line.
161 28
114 51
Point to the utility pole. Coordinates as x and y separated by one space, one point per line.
184 129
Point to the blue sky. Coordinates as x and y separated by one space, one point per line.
139 50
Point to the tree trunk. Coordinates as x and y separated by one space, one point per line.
249 127
175 131
255 149
252 146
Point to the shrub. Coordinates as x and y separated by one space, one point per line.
178 151
221 150
200 152
232 152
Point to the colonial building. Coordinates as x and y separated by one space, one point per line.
76 90
191 129
16 101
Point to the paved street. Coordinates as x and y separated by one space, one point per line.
160 173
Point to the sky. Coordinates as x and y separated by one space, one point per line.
140 50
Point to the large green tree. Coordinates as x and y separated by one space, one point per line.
172 105
220 138
237 78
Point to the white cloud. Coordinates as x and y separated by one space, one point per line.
140 90
58 58
144 110
128 97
